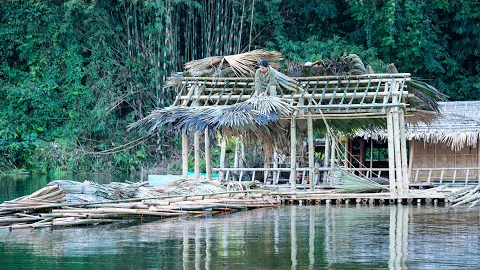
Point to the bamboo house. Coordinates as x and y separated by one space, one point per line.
339 96
445 151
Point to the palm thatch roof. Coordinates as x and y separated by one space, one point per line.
458 126
257 116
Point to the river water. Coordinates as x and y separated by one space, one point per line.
286 237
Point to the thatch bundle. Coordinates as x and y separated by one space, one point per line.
247 115
241 65
347 181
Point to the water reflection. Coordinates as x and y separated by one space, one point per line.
296 237
398 237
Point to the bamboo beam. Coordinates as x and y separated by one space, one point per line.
311 150
184 156
208 156
326 96
301 79
293 153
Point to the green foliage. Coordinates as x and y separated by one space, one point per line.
74 73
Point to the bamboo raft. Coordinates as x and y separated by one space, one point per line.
52 205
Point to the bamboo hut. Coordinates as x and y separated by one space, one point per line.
445 151
343 99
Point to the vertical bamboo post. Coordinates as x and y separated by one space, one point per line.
196 147
346 162
223 152
411 157
478 160
208 157
184 156
237 152
332 151
396 145
293 153
391 152
326 155
362 154
275 173
371 156
311 158
403 149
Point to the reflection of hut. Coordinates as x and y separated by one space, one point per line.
343 102
445 151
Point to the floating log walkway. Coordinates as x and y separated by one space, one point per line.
47 208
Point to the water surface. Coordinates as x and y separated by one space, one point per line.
287 237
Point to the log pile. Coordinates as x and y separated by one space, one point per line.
69 203
466 195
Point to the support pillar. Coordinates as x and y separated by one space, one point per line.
391 153
196 146
326 155
397 147
311 152
403 150
208 156
223 152
184 156
293 153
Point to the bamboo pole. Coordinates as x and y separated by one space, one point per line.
293 153
184 154
326 155
391 153
311 150
196 146
403 150
478 159
208 156
397 155
223 152
411 157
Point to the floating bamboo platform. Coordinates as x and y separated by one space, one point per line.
47 207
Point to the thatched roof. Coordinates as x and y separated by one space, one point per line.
458 126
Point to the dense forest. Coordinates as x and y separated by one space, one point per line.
75 73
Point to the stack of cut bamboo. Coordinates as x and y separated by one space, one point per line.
466 195
47 207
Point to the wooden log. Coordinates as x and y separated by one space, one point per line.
7 221
116 211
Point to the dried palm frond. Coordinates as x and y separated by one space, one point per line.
247 115
349 182
243 65
425 95
205 65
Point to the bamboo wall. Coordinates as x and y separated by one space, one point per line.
440 155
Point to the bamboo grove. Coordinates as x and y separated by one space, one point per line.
75 73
